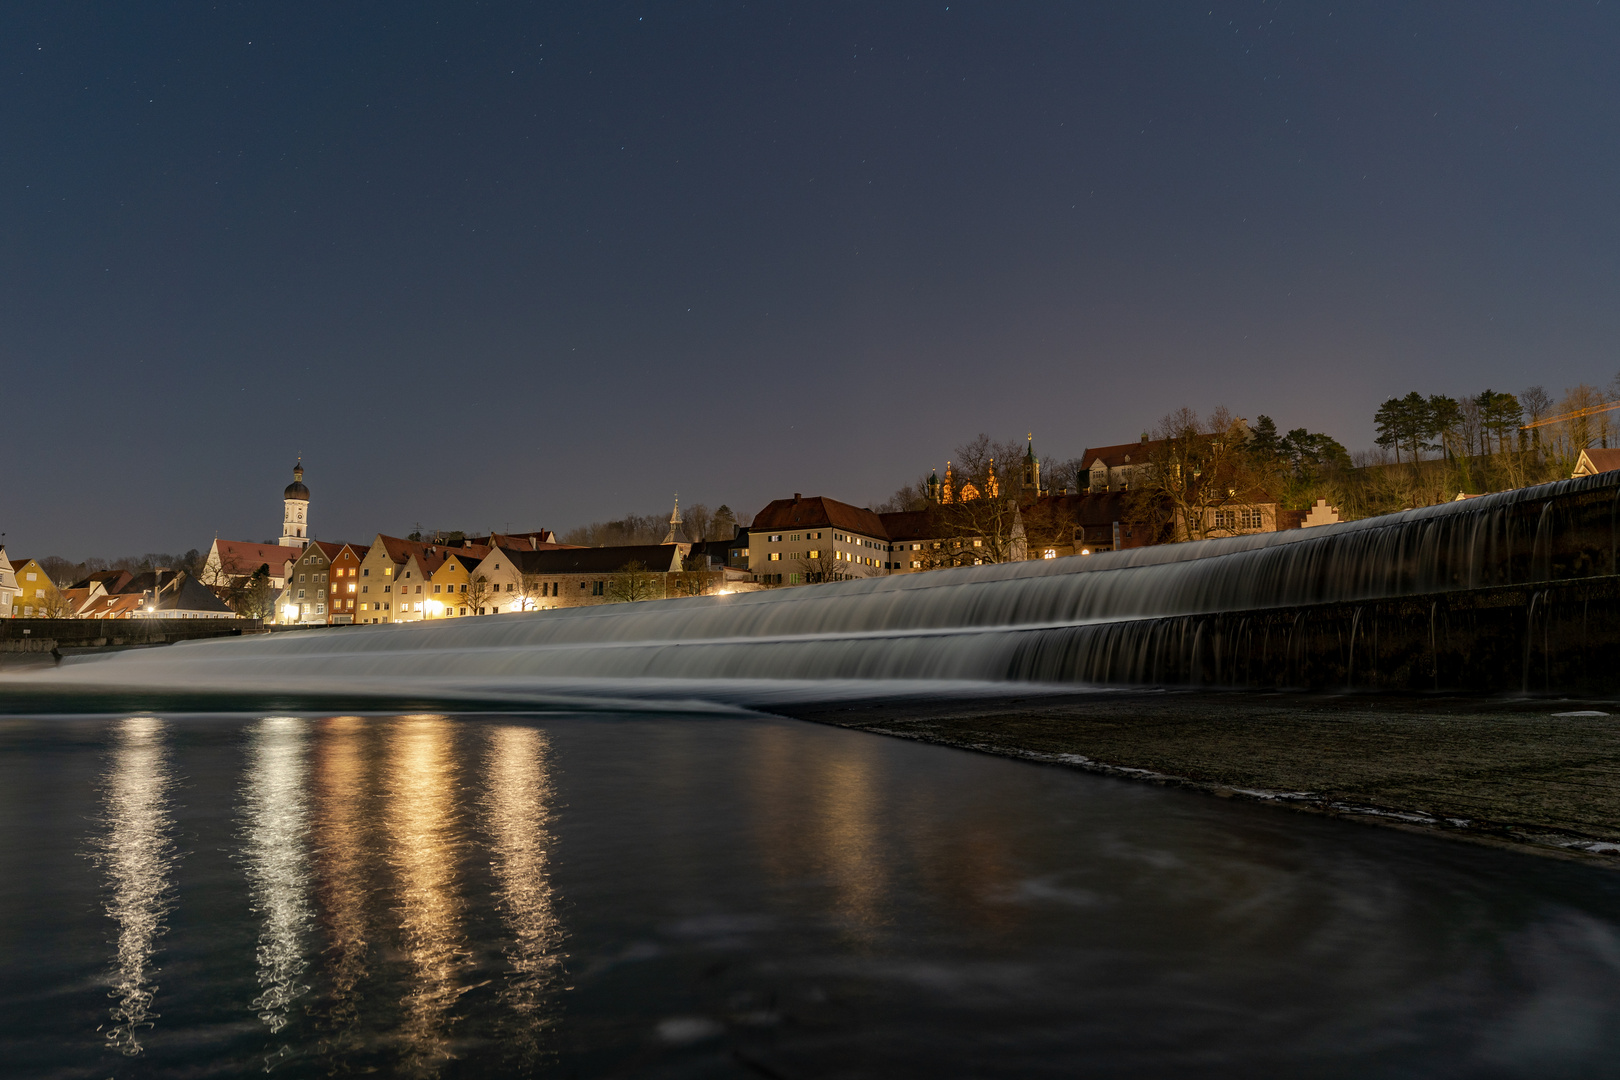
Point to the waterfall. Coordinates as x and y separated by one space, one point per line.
1110 617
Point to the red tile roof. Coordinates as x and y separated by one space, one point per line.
801 513
244 556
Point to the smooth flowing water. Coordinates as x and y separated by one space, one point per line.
597 895
1041 621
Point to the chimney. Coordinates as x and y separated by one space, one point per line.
797 496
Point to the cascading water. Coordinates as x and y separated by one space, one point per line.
1115 617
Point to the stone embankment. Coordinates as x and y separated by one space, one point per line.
1538 774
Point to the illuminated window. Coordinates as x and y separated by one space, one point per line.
1049 553
775 556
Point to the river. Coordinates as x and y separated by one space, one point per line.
689 895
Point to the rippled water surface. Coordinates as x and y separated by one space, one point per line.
689 896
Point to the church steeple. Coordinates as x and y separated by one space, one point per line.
295 510
1032 471
676 534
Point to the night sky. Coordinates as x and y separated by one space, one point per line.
533 265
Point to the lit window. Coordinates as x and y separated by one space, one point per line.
1049 553
776 556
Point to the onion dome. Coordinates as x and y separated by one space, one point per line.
296 489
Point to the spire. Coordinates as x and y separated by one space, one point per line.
1029 455
676 534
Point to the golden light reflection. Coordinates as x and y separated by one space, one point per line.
517 811
343 862
277 819
819 813
422 823
851 824
137 855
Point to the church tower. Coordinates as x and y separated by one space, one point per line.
295 516
1032 471
676 534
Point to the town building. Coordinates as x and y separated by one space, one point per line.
394 573
229 562
8 584
800 541
527 580
174 594
307 597
1593 461
345 571
447 595
1116 468
37 596
295 510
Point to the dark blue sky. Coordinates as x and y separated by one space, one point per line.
541 264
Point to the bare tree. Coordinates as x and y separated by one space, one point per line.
1194 467
912 496
821 565
634 582
479 593
697 521
695 578
630 530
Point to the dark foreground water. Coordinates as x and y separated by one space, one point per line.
601 896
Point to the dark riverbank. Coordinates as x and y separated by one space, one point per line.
1504 772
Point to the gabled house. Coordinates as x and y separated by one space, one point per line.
393 574
229 561
8 584
307 596
37 596
1593 461
799 539
447 594
345 584
526 580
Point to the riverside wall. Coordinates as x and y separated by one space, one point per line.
45 636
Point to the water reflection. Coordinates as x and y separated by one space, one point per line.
826 816
343 866
276 824
137 856
422 822
517 814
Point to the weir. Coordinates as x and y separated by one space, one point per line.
1513 591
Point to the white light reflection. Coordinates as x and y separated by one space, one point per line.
276 816
136 855
516 815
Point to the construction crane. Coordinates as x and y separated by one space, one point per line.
1576 415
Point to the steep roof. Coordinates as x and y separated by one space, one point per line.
189 594
1131 453
659 558
912 525
326 548
358 549
802 513
244 556
1602 461
111 580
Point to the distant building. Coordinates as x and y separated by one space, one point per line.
229 561
1592 462
522 580
394 574
295 510
798 541
37 596
8 584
